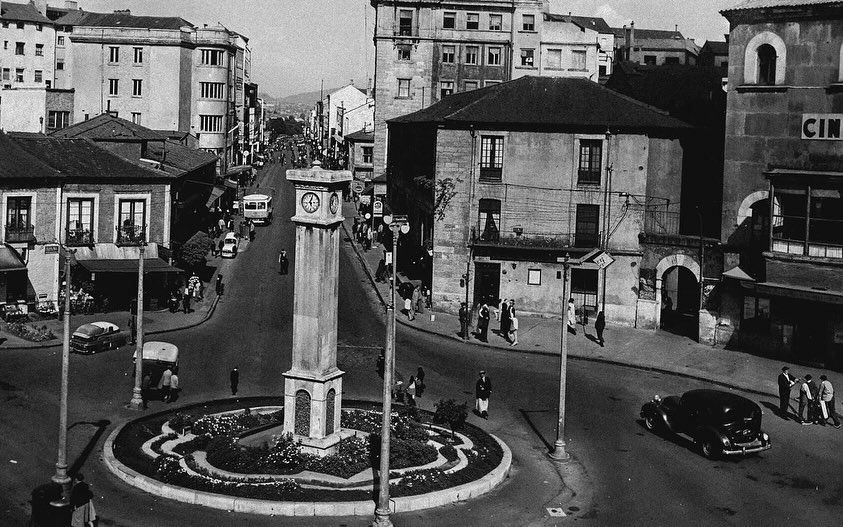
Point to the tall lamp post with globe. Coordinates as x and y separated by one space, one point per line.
397 224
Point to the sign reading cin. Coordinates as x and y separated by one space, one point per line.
822 126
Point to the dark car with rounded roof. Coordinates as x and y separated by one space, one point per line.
719 423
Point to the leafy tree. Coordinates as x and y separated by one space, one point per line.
192 254
448 411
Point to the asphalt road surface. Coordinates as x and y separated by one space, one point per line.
630 476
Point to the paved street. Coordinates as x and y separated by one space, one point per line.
630 477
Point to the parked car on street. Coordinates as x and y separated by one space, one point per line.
720 423
229 245
97 336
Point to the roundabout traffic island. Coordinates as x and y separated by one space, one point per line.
232 454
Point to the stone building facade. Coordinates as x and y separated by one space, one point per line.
500 188
782 227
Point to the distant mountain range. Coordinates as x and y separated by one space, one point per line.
309 98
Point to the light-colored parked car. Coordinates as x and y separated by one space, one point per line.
97 336
229 245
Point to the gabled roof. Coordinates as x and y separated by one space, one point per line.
178 156
361 136
546 102
18 163
717 47
587 22
22 13
108 127
761 4
121 19
82 158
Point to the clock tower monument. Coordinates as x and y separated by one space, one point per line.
313 385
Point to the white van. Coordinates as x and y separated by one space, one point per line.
258 208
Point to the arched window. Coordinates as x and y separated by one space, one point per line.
302 422
766 65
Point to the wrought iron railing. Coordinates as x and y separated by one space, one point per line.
536 240
131 235
19 233
661 222
76 237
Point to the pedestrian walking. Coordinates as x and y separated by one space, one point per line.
220 245
411 391
165 384
381 271
221 224
505 320
146 384
420 386
220 287
252 232
463 315
242 230
827 402
185 301
572 317
513 332
482 391
786 382
283 262
416 299
807 400
234 377
599 326
174 385
82 505
408 307
133 329
483 323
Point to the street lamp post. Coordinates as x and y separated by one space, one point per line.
559 453
397 224
137 395
61 476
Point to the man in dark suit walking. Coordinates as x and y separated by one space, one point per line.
482 391
786 382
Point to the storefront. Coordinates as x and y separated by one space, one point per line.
113 284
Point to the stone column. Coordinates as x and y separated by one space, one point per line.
313 385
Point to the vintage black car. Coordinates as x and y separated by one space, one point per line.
719 423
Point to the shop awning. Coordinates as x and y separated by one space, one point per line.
10 260
215 195
150 265
736 273
799 292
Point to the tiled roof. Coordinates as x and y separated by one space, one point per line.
361 136
18 163
649 34
82 158
179 156
717 47
546 102
760 4
108 127
87 18
589 22
22 13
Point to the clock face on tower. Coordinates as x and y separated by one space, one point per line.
310 202
335 203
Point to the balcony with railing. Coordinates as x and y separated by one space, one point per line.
661 222
78 237
18 233
131 235
535 240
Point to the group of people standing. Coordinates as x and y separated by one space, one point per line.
365 234
504 312
816 403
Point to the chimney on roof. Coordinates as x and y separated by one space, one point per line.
676 27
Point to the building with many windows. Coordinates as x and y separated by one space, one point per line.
159 72
654 47
27 50
782 224
499 184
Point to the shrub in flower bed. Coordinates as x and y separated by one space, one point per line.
181 421
170 471
403 453
199 442
30 332
449 453
231 424
352 457
370 421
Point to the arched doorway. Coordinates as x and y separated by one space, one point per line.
678 294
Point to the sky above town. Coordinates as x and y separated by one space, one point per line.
299 44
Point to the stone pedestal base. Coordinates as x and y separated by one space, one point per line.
312 404
325 446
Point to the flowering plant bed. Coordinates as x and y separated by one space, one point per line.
199 448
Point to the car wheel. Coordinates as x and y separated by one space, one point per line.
709 449
650 423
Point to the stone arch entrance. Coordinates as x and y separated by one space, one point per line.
677 294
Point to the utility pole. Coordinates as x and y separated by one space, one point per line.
137 395
559 453
61 476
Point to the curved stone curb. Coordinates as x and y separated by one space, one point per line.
293 508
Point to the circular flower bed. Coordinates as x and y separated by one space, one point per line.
202 448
